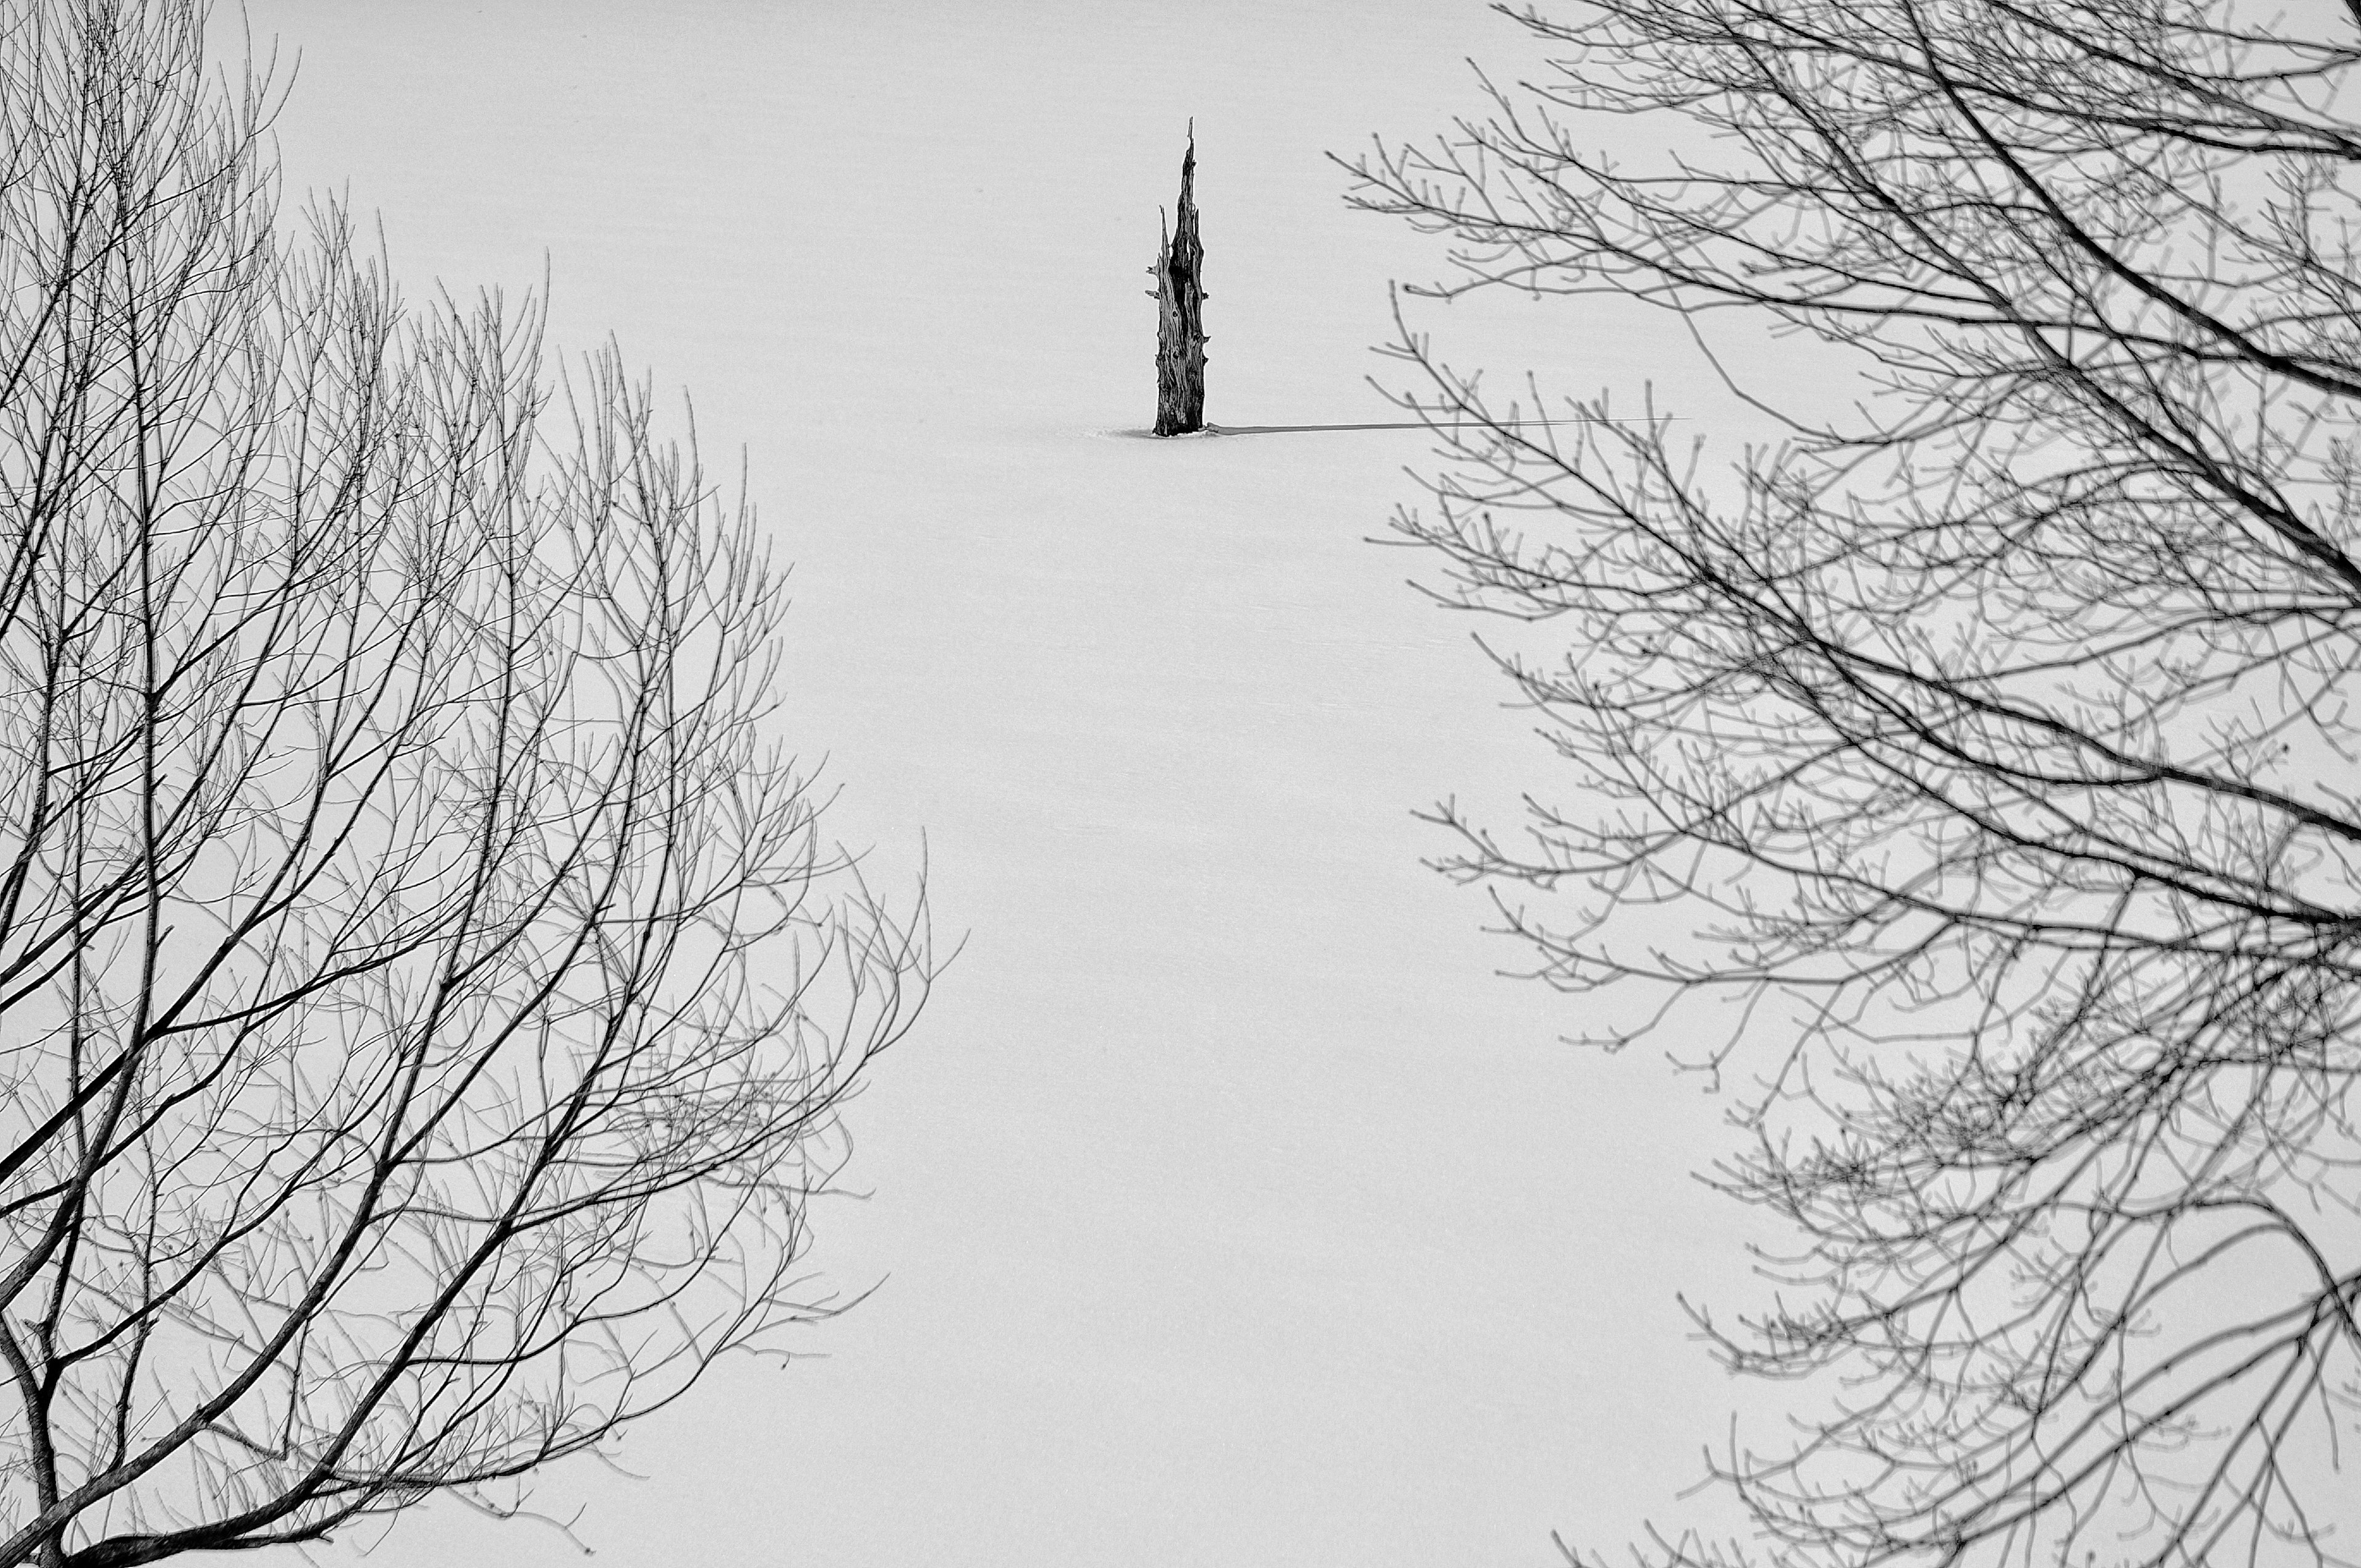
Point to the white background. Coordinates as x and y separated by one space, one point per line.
1229 1207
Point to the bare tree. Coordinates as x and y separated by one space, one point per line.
1972 774
424 998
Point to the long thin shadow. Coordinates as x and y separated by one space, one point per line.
1390 425
1400 425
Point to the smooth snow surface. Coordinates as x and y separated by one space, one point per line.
1230 1208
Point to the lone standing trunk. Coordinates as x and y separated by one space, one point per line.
1180 312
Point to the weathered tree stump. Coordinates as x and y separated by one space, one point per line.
1180 312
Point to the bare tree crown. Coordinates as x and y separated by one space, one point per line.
425 996
1996 739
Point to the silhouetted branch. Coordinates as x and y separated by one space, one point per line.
425 996
1998 745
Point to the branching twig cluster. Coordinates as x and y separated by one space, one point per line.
425 997
1996 741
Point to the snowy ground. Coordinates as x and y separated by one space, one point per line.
1229 1207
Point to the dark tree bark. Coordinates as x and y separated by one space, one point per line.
1181 314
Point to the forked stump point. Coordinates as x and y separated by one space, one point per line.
1180 312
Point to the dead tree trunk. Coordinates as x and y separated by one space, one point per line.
1180 313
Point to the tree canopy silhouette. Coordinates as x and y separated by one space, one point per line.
1972 776
425 998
